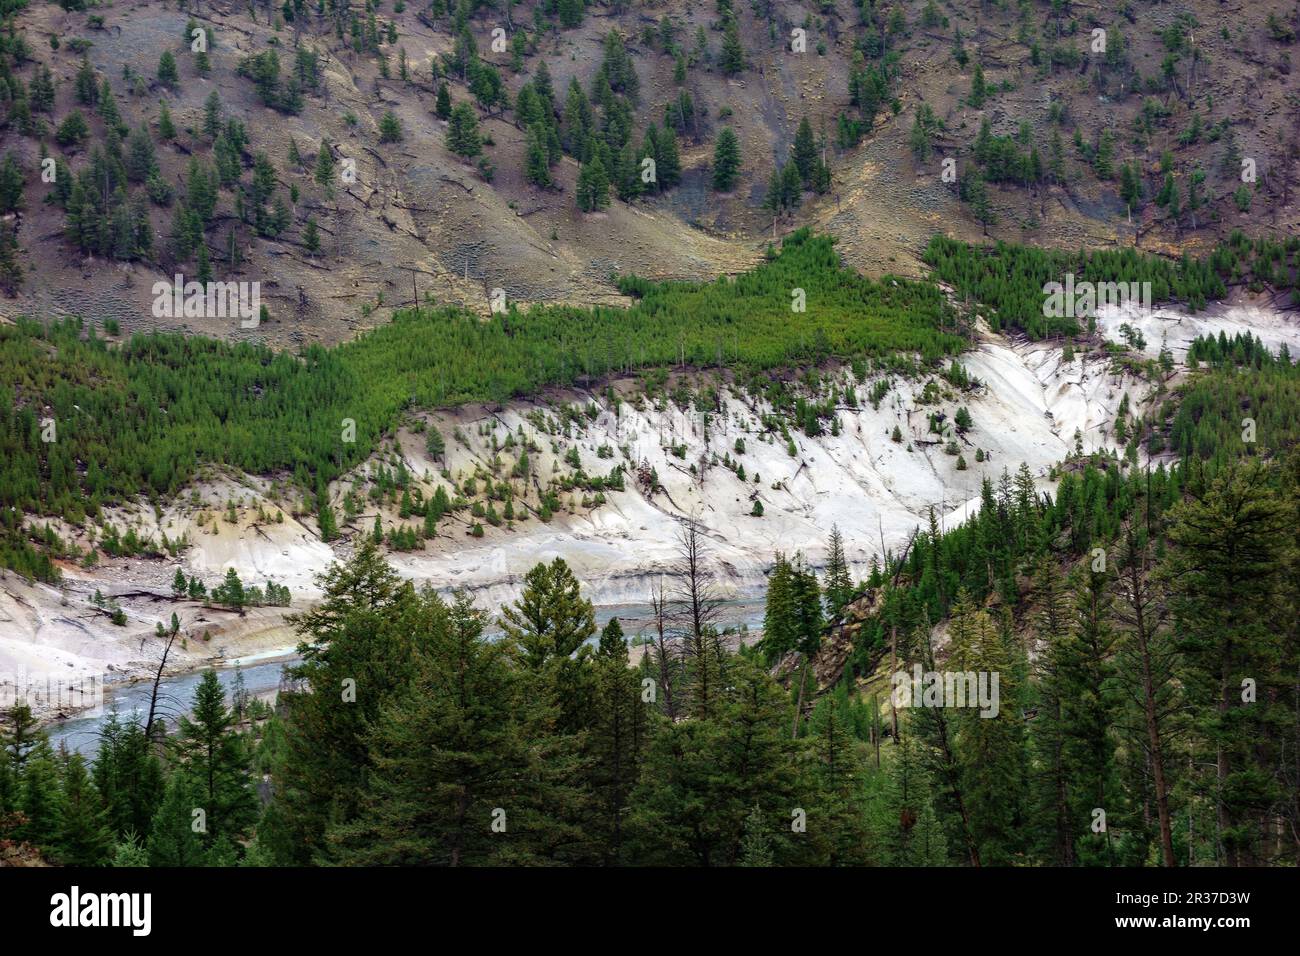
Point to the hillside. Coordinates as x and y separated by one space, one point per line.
599 433
1181 88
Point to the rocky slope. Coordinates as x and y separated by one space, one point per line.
1027 408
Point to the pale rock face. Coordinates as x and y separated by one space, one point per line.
1178 329
1028 410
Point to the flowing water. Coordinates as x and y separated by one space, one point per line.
261 678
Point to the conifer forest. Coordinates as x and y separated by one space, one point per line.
638 434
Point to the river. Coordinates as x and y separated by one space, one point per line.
261 675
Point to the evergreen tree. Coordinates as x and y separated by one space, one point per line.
991 748
732 58
839 584
41 802
551 619
84 838
838 822
978 88
166 128
703 777
87 86
593 186
213 754
390 128
173 839
1227 572
1147 658
128 776
462 134
167 73
537 169
358 648
212 114
450 755
612 642
726 161
804 151
311 239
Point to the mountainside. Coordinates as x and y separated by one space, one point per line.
1077 142
604 479
566 433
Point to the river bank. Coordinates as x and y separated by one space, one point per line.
261 671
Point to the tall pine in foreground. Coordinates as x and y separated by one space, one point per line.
1227 574
215 757
357 646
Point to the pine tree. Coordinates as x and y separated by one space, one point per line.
612 642
1227 567
804 151
537 169
42 90
11 270
839 584
977 196
325 165
21 737
732 58
1147 658
166 128
167 73
213 753
390 128
726 161
593 186
128 776
551 618
978 88
1089 713
805 596
617 736
704 776
755 844
1053 629
41 802
450 753
908 830
73 130
780 622
442 105
839 820
173 839
991 749
462 134
311 237
87 85
84 838
359 641
231 590
791 186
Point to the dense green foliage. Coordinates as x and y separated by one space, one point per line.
1168 585
412 739
1246 388
1009 279
139 418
